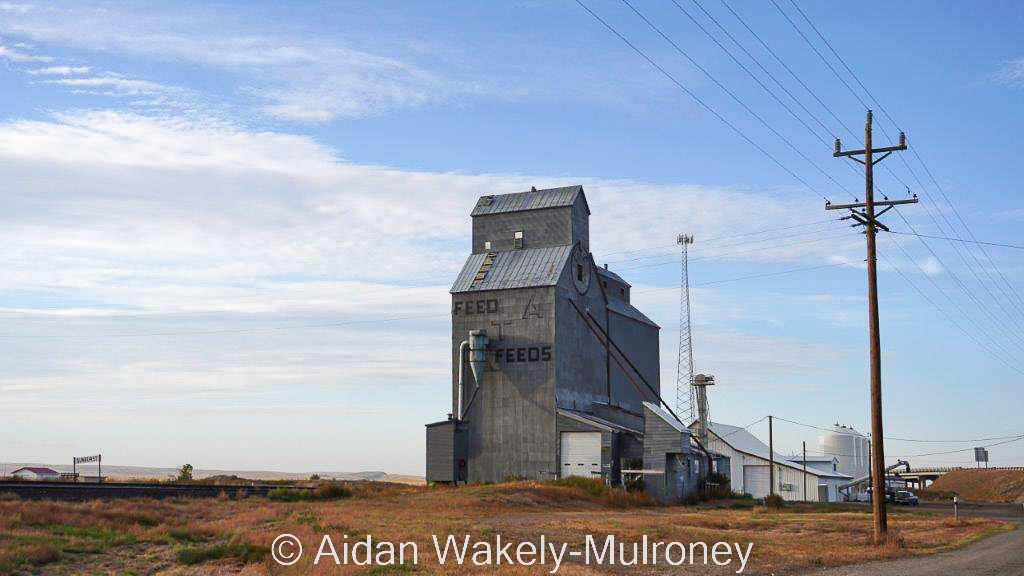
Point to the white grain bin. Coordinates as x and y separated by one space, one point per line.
849 447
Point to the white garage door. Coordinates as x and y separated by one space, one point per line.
755 480
581 454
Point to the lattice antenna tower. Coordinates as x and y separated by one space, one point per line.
686 401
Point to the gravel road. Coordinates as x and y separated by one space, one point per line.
999 555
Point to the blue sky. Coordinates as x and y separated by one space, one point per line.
227 231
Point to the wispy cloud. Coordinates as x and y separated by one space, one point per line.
16 54
168 224
930 266
166 260
292 77
59 70
304 75
143 92
1011 73
1012 214
15 8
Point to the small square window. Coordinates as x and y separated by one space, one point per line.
487 245
517 239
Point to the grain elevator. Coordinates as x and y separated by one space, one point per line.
554 372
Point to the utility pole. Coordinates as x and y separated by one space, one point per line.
805 470
771 459
864 215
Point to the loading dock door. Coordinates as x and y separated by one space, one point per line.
755 480
581 454
823 493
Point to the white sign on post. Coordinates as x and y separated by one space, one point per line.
84 459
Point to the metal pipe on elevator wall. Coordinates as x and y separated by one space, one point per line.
462 376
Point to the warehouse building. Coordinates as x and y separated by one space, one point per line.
750 468
35 473
563 375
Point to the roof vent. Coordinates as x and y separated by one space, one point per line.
533 188
486 201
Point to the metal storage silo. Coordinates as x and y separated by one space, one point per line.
848 446
866 451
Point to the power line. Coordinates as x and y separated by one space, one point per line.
747 70
1017 439
957 451
779 273
717 247
816 51
723 237
956 237
750 277
786 66
960 254
995 320
1019 303
842 124
738 252
948 297
334 324
724 436
697 99
1018 247
762 67
828 429
946 314
391 291
732 94
964 224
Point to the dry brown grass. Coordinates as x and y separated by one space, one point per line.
221 534
998 486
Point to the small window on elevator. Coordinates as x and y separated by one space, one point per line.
517 239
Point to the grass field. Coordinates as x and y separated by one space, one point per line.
222 536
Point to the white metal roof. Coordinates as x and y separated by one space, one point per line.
666 416
514 269
629 311
741 440
529 200
813 458
596 421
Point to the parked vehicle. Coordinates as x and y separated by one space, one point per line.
905 498
890 496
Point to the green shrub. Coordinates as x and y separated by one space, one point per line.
331 491
247 553
325 491
774 501
287 495
592 486
186 536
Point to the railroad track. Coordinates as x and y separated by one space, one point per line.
110 490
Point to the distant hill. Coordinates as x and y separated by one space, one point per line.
980 485
147 473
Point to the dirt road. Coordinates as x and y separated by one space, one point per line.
999 555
